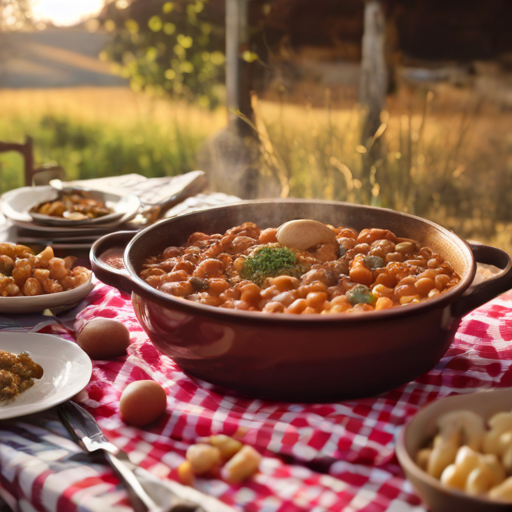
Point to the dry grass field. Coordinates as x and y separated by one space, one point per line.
443 156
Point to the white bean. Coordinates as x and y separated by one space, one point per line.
491 442
443 454
304 233
506 459
466 461
423 457
453 477
479 481
468 423
497 470
502 492
501 421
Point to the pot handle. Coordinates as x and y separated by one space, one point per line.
476 296
115 273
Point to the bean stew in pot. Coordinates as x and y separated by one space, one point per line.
302 267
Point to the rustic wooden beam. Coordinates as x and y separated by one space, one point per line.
374 76
238 71
236 149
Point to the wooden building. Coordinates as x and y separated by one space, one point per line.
378 34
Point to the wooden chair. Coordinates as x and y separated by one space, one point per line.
33 175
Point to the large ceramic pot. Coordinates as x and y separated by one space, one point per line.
304 357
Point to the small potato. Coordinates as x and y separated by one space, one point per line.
186 473
203 457
227 445
243 465
142 402
103 338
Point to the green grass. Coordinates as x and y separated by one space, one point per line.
93 134
450 165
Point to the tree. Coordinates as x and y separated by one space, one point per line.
167 47
15 15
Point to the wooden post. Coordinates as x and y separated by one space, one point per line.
238 71
236 149
374 76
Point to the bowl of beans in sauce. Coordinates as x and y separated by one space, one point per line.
300 300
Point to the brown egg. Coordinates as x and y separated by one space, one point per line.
142 402
103 338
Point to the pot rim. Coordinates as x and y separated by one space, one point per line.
185 305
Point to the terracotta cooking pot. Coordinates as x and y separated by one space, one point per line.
299 357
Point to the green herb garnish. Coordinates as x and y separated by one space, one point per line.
361 294
373 262
271 262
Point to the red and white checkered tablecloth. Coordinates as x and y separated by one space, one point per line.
317 457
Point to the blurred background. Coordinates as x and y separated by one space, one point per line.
404 104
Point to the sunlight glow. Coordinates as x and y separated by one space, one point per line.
66 12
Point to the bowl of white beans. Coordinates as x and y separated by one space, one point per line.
457 452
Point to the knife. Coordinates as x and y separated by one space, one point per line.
86 433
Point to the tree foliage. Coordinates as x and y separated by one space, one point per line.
15 15
167 47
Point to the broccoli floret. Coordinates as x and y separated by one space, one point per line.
373 262
271 262
361 294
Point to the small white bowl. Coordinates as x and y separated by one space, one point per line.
36 303
423 427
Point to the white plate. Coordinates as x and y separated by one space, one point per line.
59 231
36 303
16 203
67 370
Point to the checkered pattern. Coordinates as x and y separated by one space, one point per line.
317 457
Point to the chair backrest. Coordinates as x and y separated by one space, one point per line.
33 176
27 152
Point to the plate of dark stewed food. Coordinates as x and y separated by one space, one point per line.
300 300
47 207
39 371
